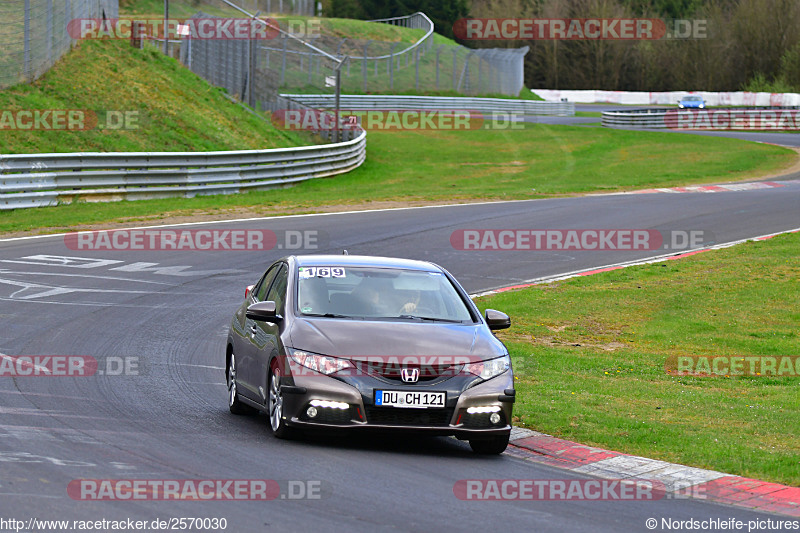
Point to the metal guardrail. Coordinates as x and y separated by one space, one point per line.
33 180
392 102
718 118
418 20
635 118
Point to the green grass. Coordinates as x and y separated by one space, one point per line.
175 110
443 166
589 357
177 8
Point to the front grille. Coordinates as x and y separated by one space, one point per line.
392 371
398 416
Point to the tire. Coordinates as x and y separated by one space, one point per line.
492 446
277 423
234 403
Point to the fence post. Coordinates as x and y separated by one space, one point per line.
416 68
480 64
364 64
438 51
252 74
310 65
27 41
391 66
283 61
455 68
49 32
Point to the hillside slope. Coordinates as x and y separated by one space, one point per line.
168 107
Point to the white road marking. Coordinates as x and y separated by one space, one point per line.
62 261
29 411
89 276
51 290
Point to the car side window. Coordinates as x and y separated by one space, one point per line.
261 289
277 292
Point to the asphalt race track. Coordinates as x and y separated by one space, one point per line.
167 418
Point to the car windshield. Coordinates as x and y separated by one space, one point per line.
692 98
386 293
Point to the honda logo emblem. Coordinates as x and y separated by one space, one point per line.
410 375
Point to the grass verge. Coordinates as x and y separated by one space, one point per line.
589 357
437 166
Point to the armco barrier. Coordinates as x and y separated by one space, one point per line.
739 98
32 180
392 102
736 118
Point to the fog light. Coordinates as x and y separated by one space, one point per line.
311 412
494 418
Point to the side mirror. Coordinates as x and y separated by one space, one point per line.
497 320
263 311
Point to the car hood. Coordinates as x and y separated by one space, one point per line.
360 339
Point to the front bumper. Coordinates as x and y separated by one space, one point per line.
302 386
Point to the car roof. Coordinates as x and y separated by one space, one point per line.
364 261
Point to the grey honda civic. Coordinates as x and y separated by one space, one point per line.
357 343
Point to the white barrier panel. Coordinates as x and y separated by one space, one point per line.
717 118
670 97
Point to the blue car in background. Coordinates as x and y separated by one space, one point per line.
690 101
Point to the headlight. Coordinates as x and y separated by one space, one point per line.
491 368
323 364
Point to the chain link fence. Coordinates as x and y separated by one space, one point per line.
257 71
33 33
307 8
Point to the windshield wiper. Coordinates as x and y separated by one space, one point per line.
329 315
431 319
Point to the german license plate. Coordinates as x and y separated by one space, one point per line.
413 399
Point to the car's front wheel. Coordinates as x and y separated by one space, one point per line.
234 403
489 446
277 423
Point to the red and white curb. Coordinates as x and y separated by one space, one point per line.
726 187
706 484
617 266
715 188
